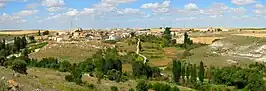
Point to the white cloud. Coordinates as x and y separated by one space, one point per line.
185 18
243 2
156 7
239 10
72 12
27 12
130 11
217 9
9 19
191 7
3 2
53 3
2 5
54 9
88 11
259 9
118 1
105 7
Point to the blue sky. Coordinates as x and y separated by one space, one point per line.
58 14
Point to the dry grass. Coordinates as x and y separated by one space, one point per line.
72 52
252 34
205 40
22 32
18 32
127 67
40 78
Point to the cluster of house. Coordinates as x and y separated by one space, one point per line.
80 34
115 34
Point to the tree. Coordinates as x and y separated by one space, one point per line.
64 66
142 86
46 32
183 72
201 72
23 42
32 39
176 70
188 71
39 33
167 35
194 73
2 61
19 66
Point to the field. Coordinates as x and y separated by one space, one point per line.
74 52
18 32
21 32
160 57
252 34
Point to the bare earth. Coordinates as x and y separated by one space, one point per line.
205 40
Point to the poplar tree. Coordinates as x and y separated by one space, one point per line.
176 70
201 72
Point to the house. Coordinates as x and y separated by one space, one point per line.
113 37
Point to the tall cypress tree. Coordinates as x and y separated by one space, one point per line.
201 72
176 70
183 72
23 42
194 73
188 71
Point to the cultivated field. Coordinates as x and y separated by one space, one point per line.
252 34
74 52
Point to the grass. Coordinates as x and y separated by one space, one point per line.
41 78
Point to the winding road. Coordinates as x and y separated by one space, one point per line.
137 52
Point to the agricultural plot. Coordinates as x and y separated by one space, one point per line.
74 52
160 56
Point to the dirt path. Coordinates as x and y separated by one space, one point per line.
145 58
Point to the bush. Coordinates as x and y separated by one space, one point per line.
114 75
19 66
142 86
69 78
161 87
91 86
114 88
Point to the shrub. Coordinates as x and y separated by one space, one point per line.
142 86
114 88
69 78
19 66
131 89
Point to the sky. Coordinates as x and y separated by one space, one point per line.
66 14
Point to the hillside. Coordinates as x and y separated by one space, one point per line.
231 50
